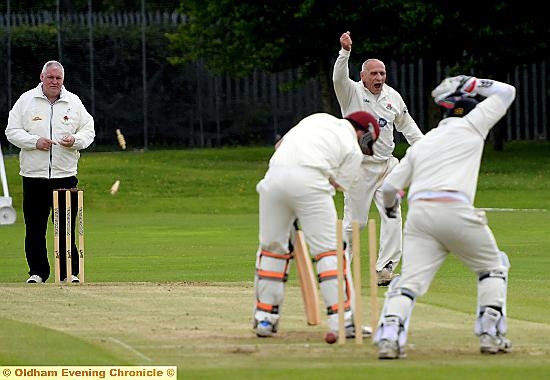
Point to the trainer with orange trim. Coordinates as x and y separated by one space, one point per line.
318 156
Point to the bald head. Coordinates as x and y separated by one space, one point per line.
373 75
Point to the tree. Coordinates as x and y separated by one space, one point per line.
235 37
487 38
19 6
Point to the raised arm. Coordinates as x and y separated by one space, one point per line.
340 74
472 86
343 84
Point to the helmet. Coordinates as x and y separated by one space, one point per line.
457 105
366 122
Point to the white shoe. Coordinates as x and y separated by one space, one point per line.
74 279
264 329
35 279
494 344
332 336
389 349
365 330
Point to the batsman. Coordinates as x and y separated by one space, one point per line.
318 156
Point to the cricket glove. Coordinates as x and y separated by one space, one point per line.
391 211
459 85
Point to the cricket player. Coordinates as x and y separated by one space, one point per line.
373 95
441 173
319 155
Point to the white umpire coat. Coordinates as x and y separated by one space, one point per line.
33 116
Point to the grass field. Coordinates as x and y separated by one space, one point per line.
169 268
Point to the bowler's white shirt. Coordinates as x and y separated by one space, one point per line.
388 108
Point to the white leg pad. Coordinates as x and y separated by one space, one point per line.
329 289
491 293
491 322
269 283
395 315
491 289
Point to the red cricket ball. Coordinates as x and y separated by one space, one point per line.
331 337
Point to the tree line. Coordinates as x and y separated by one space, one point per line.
232 40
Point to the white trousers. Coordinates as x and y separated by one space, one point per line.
357 202
286 194
432 231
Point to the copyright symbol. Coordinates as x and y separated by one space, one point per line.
6 372
170 372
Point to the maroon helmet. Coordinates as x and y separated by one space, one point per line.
366 122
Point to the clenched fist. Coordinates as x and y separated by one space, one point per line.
345 41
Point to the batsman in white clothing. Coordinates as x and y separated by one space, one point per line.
319 155
441 173
373 95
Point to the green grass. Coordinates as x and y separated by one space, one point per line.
170 263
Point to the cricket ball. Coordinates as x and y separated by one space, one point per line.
331 337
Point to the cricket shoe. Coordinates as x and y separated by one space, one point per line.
332 336
35 279
265 329
74 279
389 349
494 344
365 330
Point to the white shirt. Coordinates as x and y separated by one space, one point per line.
388 107
324 142
448 158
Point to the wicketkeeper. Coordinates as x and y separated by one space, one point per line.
441 172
